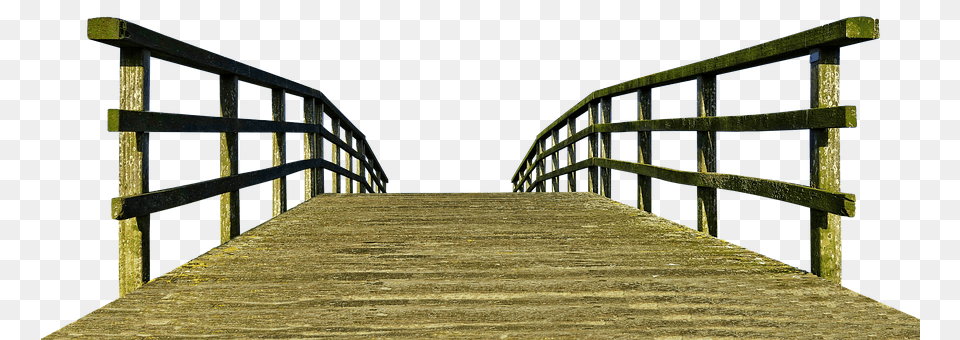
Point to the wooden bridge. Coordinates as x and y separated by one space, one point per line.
359 262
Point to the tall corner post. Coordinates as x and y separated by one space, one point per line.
310 176
593 149
279 152
606 109
571 155
707 154
555 135
644 151
134 162
229 162
825 238
335 154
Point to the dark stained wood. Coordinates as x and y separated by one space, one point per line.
229 158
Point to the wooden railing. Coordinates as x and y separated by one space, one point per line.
823 196
134 121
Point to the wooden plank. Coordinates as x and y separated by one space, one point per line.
571 155
556 161
134 238
310 182
349 182
229 159
122 33
360 166
834 202
335 152
139 205
839 33
541 187
593 149
279 152
825 254
605 152
644 150
707 154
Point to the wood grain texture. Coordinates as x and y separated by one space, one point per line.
134 172
229 159
825 239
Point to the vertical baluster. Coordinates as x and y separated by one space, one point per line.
348 180
556 159
542 186
134 169
361 150
605 152
229 162
571 154
310 149
592 175
707 154
644 151
825 254
279 152
335 153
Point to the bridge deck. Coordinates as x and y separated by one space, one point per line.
505 265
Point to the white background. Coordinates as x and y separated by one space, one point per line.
450 95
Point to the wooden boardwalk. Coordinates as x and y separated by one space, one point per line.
492 265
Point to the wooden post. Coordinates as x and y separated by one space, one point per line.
644 151
335 154
592 179
310 182
229 162
134 169
361 149
825 255
556 159
528 179
707 154
571 155
279 153
349 181
541 187
605 152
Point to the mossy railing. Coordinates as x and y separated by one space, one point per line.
134 122
823 119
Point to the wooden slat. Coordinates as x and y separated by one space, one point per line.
833 202
151 202
122 33
838 117
839 33
127 120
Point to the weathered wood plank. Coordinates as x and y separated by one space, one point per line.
541 187
707 154
593 149
839 33
606 112
229 159
644 150
335 153
139 205
555 138
825 253
134 235
361 169
122 33
348 181
834 202
310 183
279 105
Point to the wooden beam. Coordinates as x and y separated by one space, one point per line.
644 150
335 153
229 160
310 183
134 170
606 111
707 154
593 148
556 161
571 155
825 254
279 152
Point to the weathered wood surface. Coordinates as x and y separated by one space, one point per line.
825 163
229 159
492 265
836 34
134 170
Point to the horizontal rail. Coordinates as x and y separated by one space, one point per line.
840 33
831 117
835 203
148 121
151 202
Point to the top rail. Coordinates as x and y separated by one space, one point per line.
837 34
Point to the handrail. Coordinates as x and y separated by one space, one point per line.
133 120
823 119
